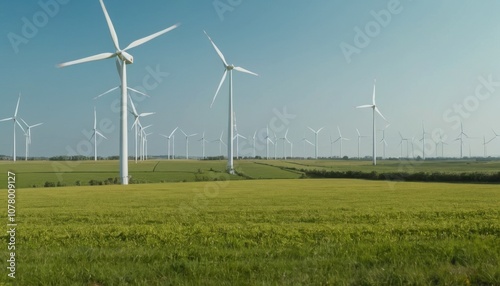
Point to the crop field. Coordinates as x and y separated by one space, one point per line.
258 232
37 173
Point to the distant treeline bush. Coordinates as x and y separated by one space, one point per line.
470 177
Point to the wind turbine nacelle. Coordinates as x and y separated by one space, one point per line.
126 57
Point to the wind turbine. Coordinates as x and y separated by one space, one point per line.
168 142
340 141
203 140
228 68
28 136
383 139
94 135
374 107
145 146
123 58
485 143
284 139
254 145
442 145
308 142
275 145
423 140
220 143
237 138
137 116
187 142
291 147
315 140
268 139
461 139
359 141
14 119
142 134
401 144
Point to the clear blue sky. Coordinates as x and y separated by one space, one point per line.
427 59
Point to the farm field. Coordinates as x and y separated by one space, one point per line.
37 173
264 232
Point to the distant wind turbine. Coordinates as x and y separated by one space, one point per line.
28 136
220 143
187 142
340 139
401 144
423 140
316 132
170 137
14 119
123 58
374 107
137 117
308 142
268 139
94 135
228 68
285 140
359 141
383 140
203 141
461 139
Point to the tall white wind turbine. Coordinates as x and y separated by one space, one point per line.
461 139
374 107
137 117
308 142
142 132
28 136
316 132
228 68
285 140
96 132
187 142
254 145
123 58
14 119
403 139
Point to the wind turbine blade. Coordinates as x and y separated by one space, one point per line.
112 31
172 133
241 136
240 69
311 129
194 134
218 88
106 92
25 123
20 126
99 133
164 136
136 122
93 134
321 129
134 111
150 37
359 134
340 134
146 114
5 119
95 119
119 68
286 133
17 106
365 106
378 111
136 91
373 97
217 50
88 59
184 133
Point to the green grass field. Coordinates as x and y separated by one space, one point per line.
258 232
36 173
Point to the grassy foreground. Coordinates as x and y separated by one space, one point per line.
265 232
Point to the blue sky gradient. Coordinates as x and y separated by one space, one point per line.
430 59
